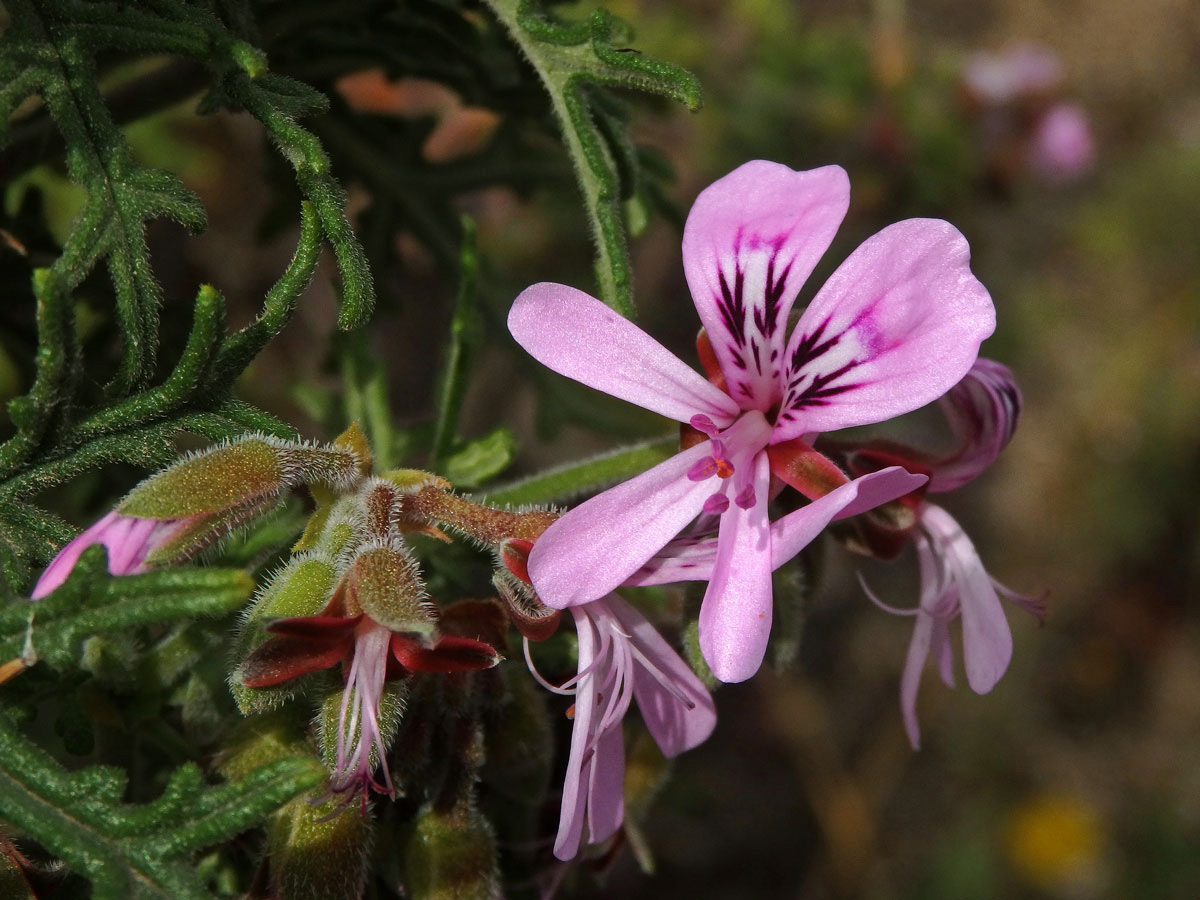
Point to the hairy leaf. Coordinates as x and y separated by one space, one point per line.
575 63
133 852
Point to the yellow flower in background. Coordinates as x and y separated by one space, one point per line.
1055 840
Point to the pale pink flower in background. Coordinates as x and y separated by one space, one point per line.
1012 74
129 541
897 325
1062 147
983 411
621 659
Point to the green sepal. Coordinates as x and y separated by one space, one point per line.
385 583
392 703
300 588
218 479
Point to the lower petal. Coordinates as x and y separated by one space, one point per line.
606 788
910 681
735 618
987 640
676 707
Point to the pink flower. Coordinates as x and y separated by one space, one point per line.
896 325
129 541
1062 147
1020 71
955 584
621 659
983 410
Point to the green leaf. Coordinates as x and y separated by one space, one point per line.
136 852
465 335
481 460
50 49
89 603
575 63
575 479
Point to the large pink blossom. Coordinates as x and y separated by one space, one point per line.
621 659
894 327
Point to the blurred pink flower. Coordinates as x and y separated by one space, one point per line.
1062 147
1014 73
129 541
895 326
621 659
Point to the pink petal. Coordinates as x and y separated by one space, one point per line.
795 531
735 617
606 785
594 547
751 240
910 681
692 559
684 559
577 779
943 652
987 640
578 336
982 410
128 541
675 705
896 326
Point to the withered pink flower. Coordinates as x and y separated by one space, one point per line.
129 540
983 410
622 658
370 655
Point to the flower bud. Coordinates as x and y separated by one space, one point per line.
218 490
452 856
317 851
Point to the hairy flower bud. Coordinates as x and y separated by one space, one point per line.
452 856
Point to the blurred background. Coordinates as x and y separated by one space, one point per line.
1064 140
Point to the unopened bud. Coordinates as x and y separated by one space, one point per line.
207 495
452 856
318 851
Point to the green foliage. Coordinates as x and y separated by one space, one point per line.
588 476
50 50
91 603
136 852
117 361
574 62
